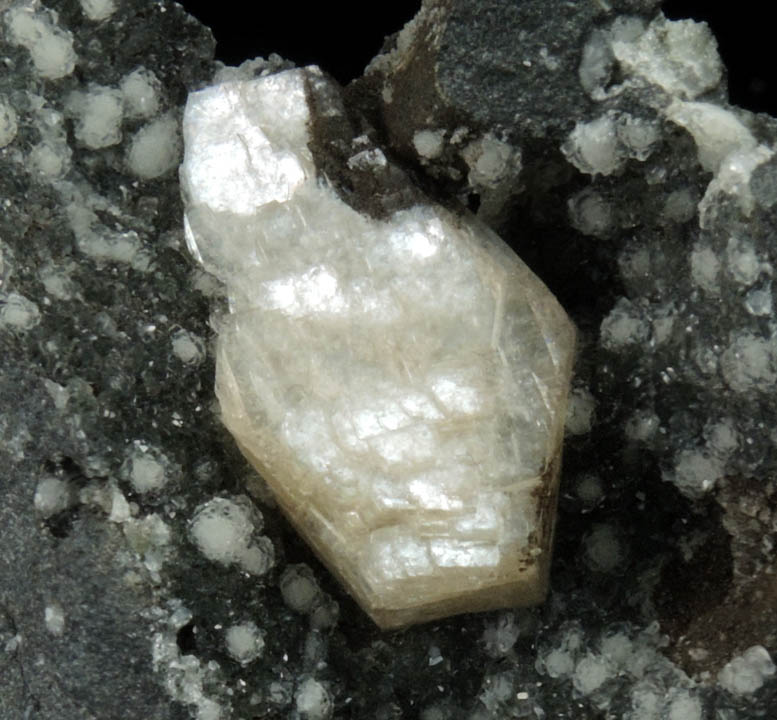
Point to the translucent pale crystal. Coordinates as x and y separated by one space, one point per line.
400 383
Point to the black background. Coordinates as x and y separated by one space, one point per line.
342 37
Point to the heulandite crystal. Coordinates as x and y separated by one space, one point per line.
401 381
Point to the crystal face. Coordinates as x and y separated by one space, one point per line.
400 382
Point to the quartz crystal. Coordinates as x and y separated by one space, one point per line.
398 378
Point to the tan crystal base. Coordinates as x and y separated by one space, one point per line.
522 582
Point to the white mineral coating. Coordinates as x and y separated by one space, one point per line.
580 413
258 557
54 617
680 206
596 64
299 588
155 149
744 264
746 673
245 642
146 469
591 673
186 676
733 178
705 268
680 56
498 689
429 144
725 147
50 47
104 244
591 214
759 302
50 160
695 471
624 326
57 282
120 510
188 347
222 529
18 312
367 159
500 636
722 436
559 661
400 383
638 135
491 161
52 496
716 131
313 701
593 147
603 145
148 536
685 707
748 363
98 115
324 614
98 9
140 90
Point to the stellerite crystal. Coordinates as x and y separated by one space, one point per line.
393 370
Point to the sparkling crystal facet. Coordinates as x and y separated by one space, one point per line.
400 383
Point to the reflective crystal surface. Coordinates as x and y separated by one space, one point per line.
399 382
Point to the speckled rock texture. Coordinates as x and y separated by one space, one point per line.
144 570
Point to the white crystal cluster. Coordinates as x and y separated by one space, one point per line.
678 59
747 673
401 384
676 69
598 664
50 47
